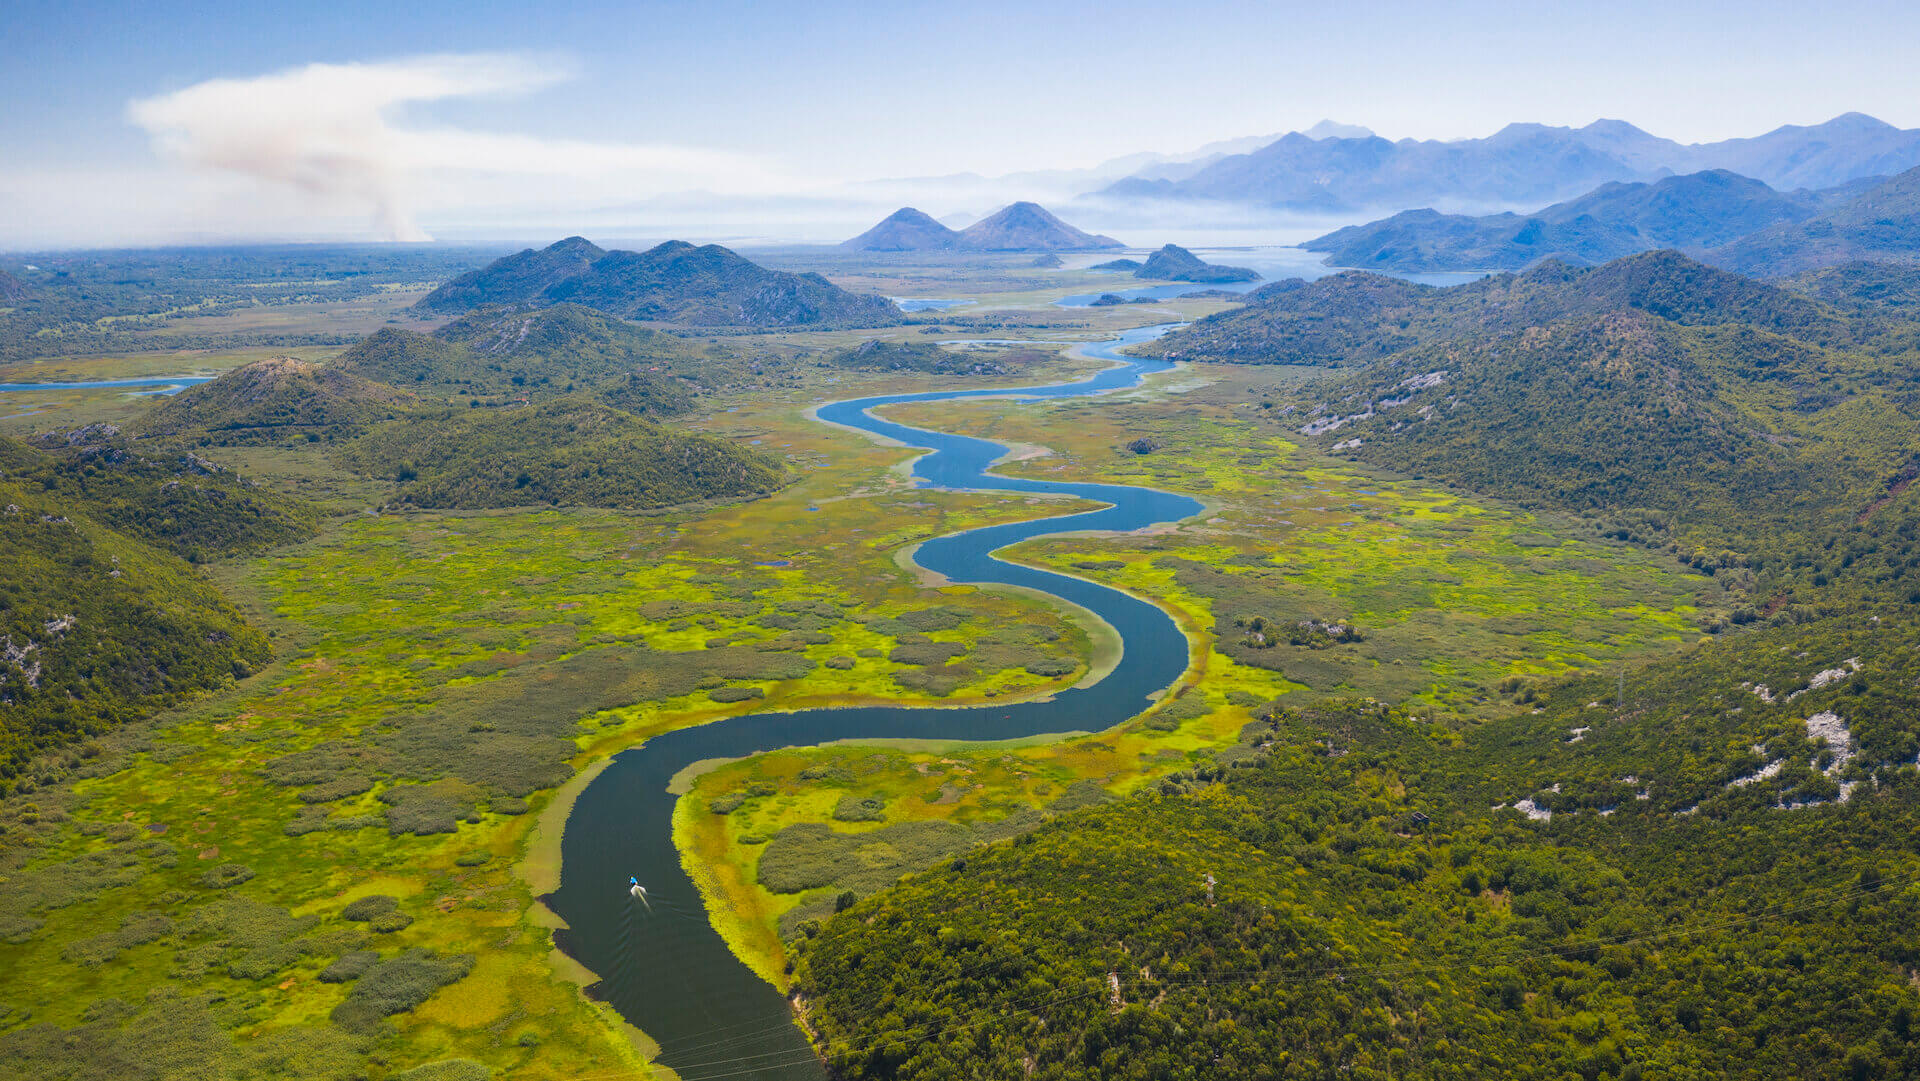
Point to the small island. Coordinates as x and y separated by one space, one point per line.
1175 263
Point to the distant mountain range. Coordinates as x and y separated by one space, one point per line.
675 282
1017 227
1522 164
1728 219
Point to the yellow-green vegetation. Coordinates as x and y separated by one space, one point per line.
1463 612
1450 597
339 858
434 676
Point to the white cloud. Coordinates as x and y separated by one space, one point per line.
329 131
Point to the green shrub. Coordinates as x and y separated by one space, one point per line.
349 966
366 908
227 876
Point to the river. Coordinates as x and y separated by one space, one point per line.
667 970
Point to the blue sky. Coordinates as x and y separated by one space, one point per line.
766 100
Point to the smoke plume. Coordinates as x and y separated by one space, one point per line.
329 130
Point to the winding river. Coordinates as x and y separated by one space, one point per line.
666 970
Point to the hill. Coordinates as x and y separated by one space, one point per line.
1702 430
273 399
1028 227
1624 879
567 452
1358 317
1525 165
1873 287
1340 899
1694 212
538 352
906 229
1177 264
11 288
879 356
674 282
102 619
1879 224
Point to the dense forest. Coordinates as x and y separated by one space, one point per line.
102 617
270 400
1704 867
674 282
1358 317
512 353
568 452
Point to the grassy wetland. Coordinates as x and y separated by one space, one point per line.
332 865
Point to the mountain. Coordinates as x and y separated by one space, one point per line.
1356 317
1848 147
272 399
1028 227
1177 264
675 282
11 288
1524 164
906 229
1694 212
1879 224
535 352
566 452
1520 164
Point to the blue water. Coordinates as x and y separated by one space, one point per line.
1272 264
168 384
666 970
929 304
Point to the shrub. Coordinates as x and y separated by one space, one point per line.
387 923
227 876
856 809
366 908
396 986
349 966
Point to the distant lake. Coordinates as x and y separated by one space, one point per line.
166 384
929 304
1272 264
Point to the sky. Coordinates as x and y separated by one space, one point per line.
161 121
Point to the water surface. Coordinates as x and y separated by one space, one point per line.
666 970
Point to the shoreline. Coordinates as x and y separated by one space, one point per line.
541 863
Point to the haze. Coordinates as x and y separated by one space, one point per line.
150 122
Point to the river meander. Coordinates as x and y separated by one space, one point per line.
667 970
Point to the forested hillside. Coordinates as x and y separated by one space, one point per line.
674 282
567 452
1358 317
522 352
1703 867
102 619
273 399
1881 223
1342 904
